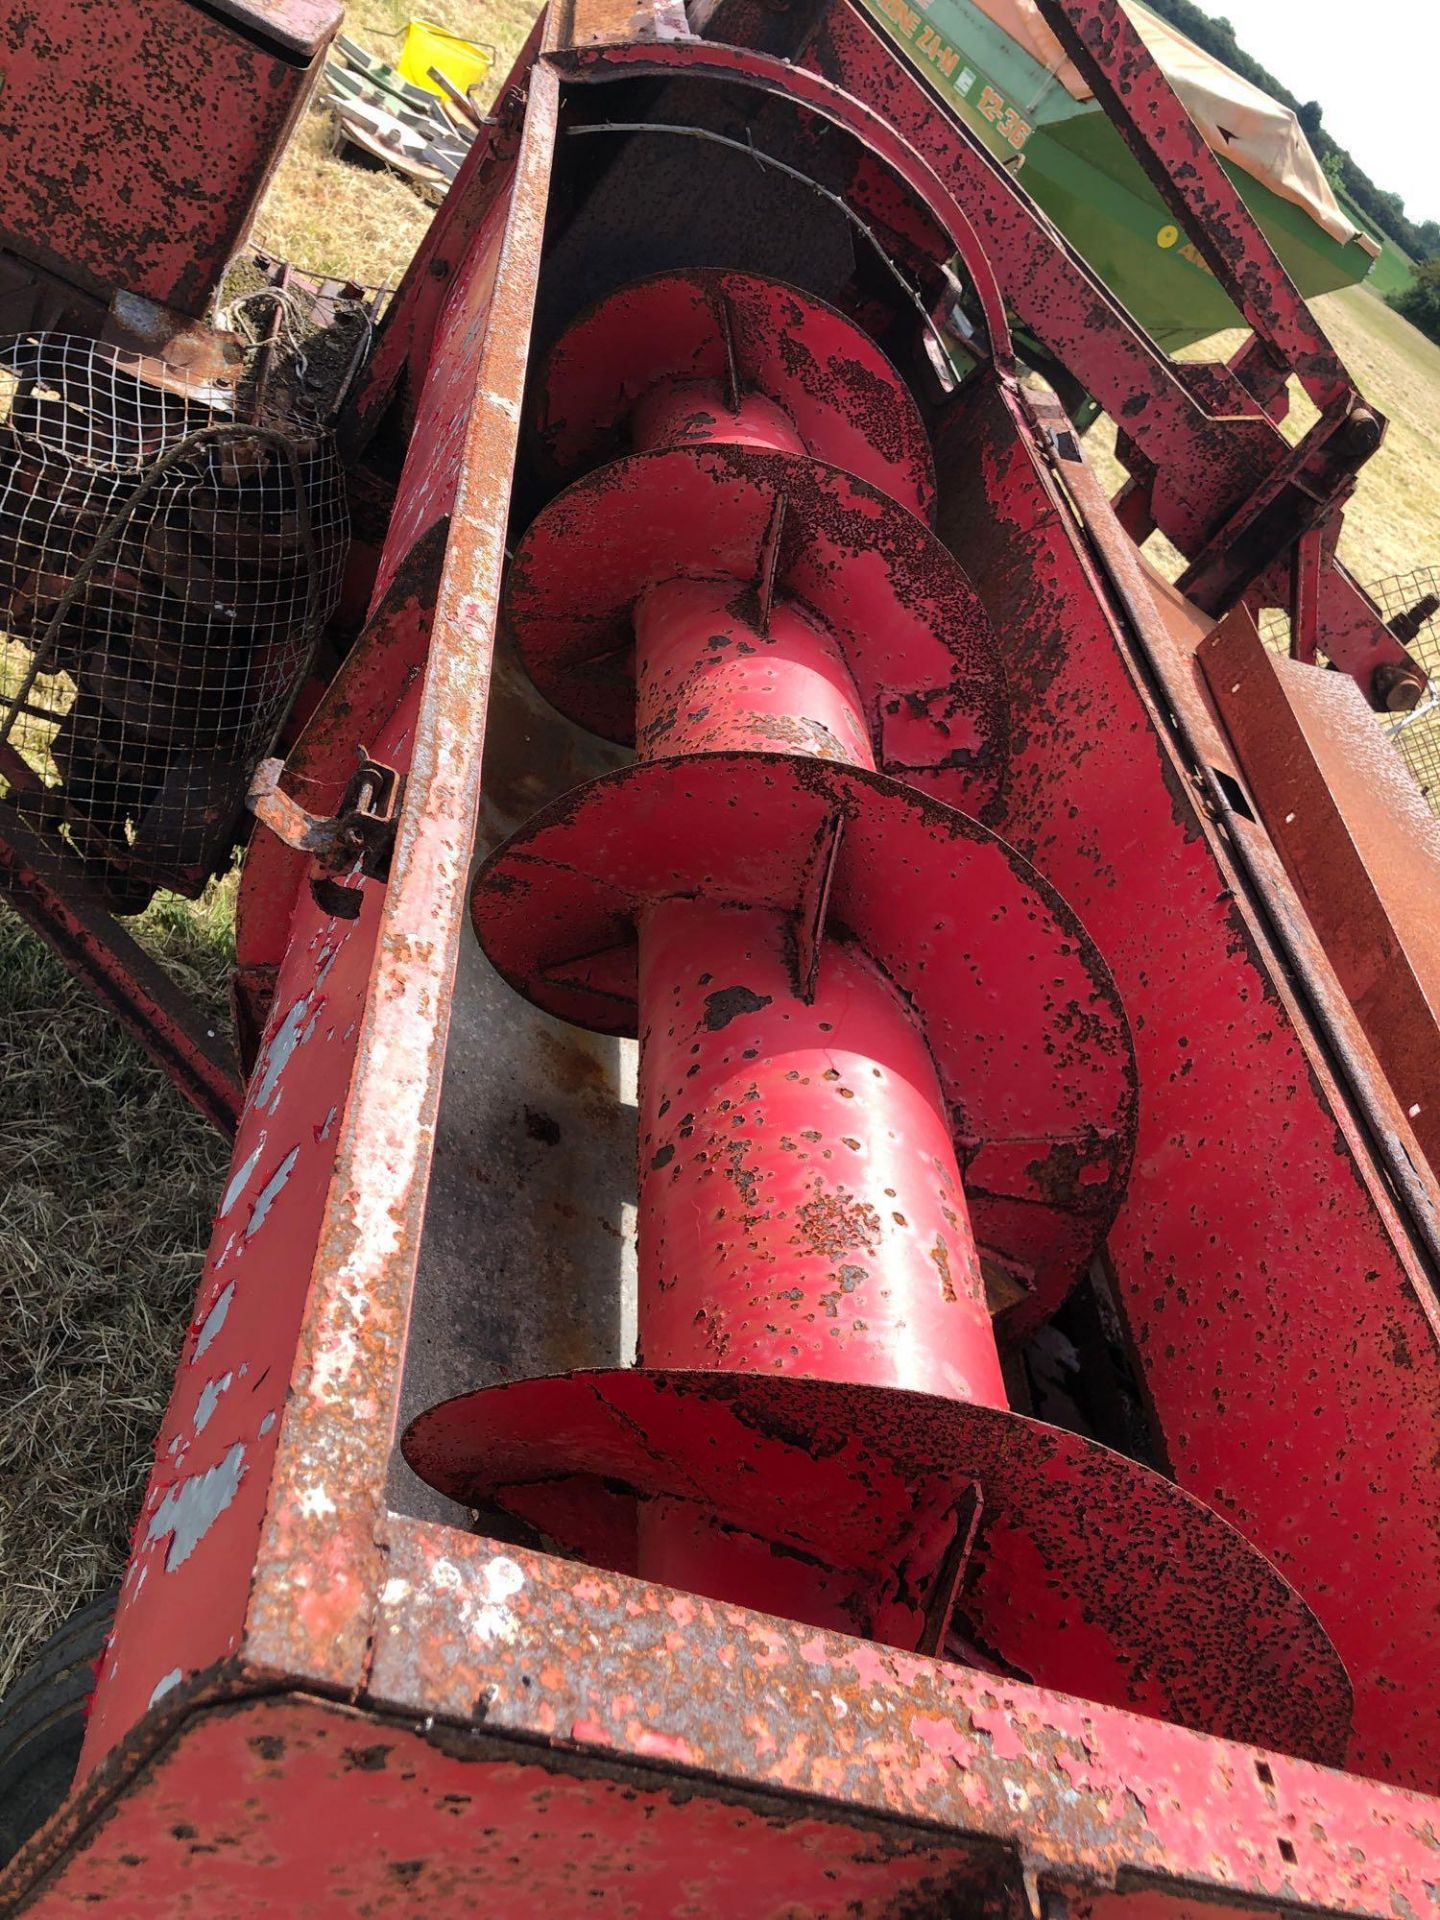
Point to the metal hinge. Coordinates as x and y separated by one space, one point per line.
347 847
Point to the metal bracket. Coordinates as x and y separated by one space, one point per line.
356 840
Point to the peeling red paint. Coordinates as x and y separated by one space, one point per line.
125 172
521 1731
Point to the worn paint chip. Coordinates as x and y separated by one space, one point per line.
270 1193
165 1684
240 1178
214 1320
210 1399
288 1036
191 1507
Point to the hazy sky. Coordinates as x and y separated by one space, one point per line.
1374 66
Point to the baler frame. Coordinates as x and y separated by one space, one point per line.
296 1637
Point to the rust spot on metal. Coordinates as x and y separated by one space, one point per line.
728 1003
940 1254
835 1222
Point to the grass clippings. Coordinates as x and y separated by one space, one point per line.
108 1181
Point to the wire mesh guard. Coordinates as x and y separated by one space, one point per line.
165 571
1410 604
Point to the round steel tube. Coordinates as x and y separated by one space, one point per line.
709 680
801 1208
801 1212
677 413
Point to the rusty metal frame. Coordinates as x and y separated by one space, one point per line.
572 1687
57 904
1046 282
395 372
283 1633
1332 793
1210 468
1118 68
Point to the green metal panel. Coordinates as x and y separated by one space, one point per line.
1073 162
1394 270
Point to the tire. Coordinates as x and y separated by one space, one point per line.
42 1724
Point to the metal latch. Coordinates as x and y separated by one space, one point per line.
354 842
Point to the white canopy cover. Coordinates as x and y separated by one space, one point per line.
1258 134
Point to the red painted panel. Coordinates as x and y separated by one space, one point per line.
301 1809
186 1588
137 139
1285 1338
431 473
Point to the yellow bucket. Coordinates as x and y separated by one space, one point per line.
463 62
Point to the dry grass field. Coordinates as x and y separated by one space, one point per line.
108 1181
332 215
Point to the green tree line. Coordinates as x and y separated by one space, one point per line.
1387 210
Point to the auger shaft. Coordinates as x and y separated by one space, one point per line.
844 986
801 1207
